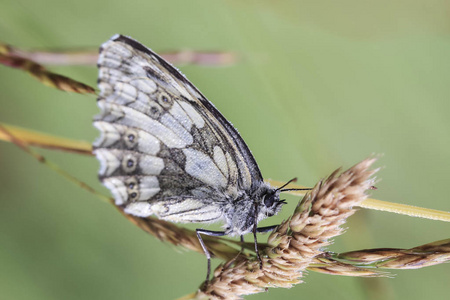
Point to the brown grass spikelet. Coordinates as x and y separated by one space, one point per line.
326 265
390 258
294 245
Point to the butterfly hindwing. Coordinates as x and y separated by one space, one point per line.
164 149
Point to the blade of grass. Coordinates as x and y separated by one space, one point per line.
401 209
43 140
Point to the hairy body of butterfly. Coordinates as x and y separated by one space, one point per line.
165 150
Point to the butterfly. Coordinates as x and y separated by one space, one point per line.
165 150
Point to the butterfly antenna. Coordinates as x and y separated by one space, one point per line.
293 189
303 189
287 183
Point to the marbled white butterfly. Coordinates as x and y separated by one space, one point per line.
165 150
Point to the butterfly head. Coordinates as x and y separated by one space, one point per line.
270 204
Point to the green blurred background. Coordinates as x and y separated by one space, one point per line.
319 85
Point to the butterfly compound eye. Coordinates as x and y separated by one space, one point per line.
269 199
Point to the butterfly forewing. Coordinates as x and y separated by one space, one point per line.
164 149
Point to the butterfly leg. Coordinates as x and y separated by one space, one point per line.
207 254
242 243
261 230
266 229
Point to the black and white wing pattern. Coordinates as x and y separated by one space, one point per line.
164 149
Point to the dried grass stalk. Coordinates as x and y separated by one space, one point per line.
204 58
326 265
38 71
48 57
390 258
90 57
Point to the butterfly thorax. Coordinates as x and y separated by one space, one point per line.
240 216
